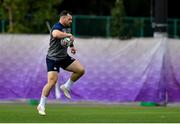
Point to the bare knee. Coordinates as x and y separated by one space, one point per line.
51 84
52 81
81 71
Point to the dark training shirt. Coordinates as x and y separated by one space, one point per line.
56 51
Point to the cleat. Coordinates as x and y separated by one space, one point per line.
41 110
65 91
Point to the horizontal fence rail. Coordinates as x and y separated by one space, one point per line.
100 26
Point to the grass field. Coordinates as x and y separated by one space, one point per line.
88 113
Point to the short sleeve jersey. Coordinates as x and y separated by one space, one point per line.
56 51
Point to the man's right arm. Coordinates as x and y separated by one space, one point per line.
59 34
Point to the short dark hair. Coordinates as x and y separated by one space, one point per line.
64 13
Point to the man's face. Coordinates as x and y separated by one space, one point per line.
68 20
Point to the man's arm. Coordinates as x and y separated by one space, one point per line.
59 34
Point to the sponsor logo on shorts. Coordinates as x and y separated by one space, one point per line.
72 59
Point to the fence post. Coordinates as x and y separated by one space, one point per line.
175 28
107 26
74 26
2 26
142 27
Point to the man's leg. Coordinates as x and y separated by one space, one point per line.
77 71
52 79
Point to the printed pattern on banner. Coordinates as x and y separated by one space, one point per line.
144 69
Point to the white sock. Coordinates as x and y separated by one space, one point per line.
57 91
42 101
68 84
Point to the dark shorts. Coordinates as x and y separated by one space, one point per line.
53 65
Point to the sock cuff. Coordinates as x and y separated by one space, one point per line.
43 97
71 80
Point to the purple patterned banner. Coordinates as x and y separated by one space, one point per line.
116 71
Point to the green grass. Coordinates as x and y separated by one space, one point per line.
84 113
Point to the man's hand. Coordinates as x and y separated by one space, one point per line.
72 38
73 50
